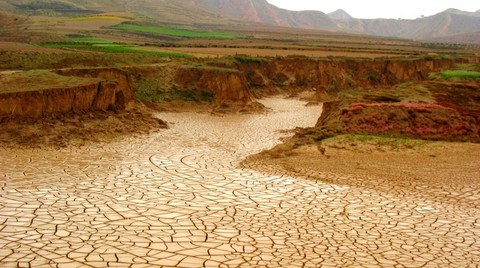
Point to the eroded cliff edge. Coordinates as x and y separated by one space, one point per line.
232 85
225 85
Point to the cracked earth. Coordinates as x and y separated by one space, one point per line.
179 198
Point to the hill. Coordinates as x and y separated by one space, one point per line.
451 22
340 14
264 12
447 23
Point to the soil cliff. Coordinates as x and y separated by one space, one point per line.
229 87
338 74
38 94
124 89
219 88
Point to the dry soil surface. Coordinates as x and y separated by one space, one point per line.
180 198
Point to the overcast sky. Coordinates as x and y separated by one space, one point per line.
405 9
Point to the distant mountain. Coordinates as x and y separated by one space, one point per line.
447 23
340 14
451 22
264 12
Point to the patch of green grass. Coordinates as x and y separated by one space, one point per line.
461 74
380 141
89 40
174 31
105 46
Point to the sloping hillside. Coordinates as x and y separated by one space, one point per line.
449 22
262 11
233 12
340 14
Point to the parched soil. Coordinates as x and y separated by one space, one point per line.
435 170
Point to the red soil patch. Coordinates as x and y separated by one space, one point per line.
418 120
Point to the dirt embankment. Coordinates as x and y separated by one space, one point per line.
179 85
229 87
434 110
394 97
106 91
337 74
70 106
233 89
120 77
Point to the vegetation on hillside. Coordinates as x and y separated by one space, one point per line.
174 31
102 45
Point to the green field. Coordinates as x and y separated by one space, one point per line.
174 31
102 45
461 74
89 40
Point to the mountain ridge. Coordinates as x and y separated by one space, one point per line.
451 22
340 14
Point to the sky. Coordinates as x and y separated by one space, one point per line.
370 9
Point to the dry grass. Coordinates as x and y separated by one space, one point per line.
257 52
39 80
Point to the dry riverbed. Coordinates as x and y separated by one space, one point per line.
180 197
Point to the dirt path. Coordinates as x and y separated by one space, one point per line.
179 199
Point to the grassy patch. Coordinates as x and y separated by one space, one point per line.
461 74
102 45
246 59
405 92
376 141
174 31
88 40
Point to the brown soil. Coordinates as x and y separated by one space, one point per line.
14 46
369 162
427 121
79 129
273 52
